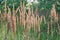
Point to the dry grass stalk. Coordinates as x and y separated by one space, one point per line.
48 28
52 11
34 23
44 20
14 24
39 28
59 29
41 18
36 17
20 18
5 10
14 20
36 20
37 23
9 20
22 14
54 14
0 18
51 27
56 18
32 20
21 6
28 23
17 9
28 19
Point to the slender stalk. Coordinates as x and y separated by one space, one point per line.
48 30
5 8
0 19
39 28
14 21
51 28
5 14
58 29
44 20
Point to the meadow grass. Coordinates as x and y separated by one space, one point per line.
29 25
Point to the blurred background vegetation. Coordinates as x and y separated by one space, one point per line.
42 5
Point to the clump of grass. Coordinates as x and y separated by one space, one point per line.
30 25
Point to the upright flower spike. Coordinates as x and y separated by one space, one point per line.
28 22
5 9
17 9
28 19
53 13
32 20
36 16
44 20
22 14
58 29
14 20
48 29
9 20
0 19
24 11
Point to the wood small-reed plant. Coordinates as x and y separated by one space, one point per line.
5 9
9 20
54 15
0 18
22 14
14 19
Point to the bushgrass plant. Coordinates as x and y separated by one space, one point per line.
29 25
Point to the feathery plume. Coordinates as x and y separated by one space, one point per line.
14 20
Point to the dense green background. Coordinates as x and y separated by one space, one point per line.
45 4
